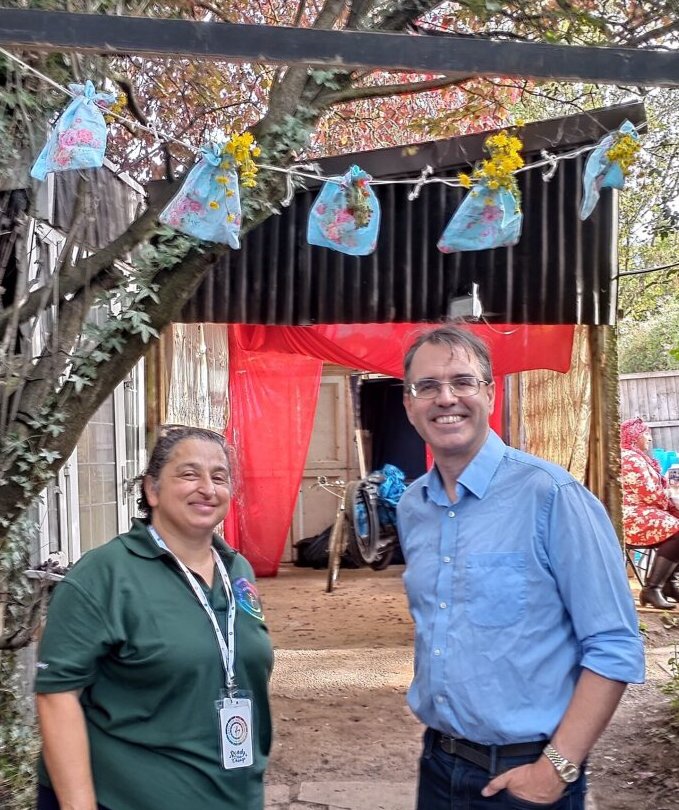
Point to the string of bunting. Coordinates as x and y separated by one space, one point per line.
345 215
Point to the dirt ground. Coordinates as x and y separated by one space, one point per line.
343 664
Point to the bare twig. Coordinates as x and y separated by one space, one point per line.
218 12
382 91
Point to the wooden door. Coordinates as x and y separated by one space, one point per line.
331 453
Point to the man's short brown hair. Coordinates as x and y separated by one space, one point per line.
455 338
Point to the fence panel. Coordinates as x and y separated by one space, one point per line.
654 396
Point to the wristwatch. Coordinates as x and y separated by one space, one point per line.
568 771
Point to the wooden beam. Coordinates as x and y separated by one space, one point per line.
455 56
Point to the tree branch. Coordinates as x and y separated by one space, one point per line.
133 104
299 14
357 10
178 286
53 361
656 33
285 96
381 91
219 14
397 18
86 270
329 14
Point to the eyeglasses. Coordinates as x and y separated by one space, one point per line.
459 387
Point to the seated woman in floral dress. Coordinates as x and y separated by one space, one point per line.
650 519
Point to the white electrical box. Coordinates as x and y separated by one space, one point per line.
466 306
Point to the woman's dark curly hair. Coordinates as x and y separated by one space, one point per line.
168 437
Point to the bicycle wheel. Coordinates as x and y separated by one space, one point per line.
335 545
383 558
361 509
384 554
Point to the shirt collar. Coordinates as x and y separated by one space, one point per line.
140 542
475 477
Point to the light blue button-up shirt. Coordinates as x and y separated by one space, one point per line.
514 589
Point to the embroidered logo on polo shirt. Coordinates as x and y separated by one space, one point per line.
247 598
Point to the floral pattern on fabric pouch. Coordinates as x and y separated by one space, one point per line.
648 515
608 165
208 203
490 215
78 140
486 218
346 216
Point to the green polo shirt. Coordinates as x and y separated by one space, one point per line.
125 627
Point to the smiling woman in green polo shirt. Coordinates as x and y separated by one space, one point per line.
155 660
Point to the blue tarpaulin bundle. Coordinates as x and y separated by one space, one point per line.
389 493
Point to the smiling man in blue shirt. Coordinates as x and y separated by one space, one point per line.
525 628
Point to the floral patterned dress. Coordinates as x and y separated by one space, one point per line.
648 515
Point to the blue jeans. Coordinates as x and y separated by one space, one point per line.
448 782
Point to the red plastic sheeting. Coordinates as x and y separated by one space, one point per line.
274 379
272 403
380 347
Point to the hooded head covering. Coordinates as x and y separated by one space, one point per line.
630 431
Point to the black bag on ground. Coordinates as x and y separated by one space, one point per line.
312 552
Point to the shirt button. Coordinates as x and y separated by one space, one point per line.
443 605
437 651
446 559
439 698
451 513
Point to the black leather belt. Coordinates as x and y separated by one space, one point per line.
487 756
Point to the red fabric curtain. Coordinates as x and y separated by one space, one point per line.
274 379
380 347
272 402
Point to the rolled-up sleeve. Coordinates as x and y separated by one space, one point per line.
588 564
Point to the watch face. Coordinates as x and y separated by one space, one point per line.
569 772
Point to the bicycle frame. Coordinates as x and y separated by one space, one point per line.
338 535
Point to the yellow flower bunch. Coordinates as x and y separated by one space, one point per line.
623 152
116 108
241 149
497 171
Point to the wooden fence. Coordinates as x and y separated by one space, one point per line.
654 396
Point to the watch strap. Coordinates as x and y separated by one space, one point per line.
568 771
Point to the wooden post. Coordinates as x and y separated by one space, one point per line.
512 417
156 388
603 476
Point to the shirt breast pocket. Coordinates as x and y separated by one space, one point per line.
495 588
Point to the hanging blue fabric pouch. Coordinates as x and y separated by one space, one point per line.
485 219
78 139
208 204
346 216
600 172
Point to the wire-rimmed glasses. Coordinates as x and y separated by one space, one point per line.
462 386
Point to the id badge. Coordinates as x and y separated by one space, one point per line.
235 732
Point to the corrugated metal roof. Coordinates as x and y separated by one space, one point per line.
560 272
